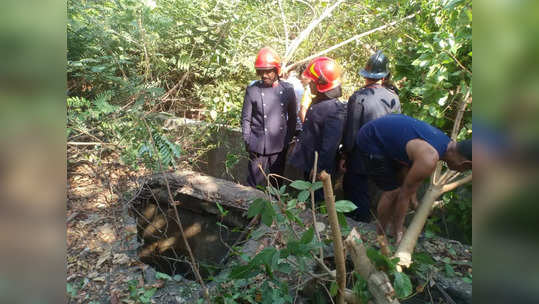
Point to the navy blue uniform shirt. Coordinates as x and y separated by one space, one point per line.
322 132
388 135
368 103
268 117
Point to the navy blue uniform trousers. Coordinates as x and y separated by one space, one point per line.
356 189
273 163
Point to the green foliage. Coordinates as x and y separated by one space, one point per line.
381 261
126 56
264 208
140 294
402 284
273 264
361 289
162 276
454 218
127 129
433 61
401 281
345 206
300 185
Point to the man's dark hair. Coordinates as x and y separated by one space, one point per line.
465 148
302 68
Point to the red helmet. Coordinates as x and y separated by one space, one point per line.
267 58
325 73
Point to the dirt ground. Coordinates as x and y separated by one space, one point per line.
99 263
101 237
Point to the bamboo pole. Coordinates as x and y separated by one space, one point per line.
336 234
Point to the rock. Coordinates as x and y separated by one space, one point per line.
458 290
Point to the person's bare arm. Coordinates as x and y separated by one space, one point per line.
424 158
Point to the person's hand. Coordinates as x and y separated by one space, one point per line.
342 165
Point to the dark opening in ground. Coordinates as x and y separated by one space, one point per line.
209 235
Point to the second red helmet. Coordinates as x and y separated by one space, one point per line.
325 73
267 58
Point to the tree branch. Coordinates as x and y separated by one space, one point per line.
409 240
378 282
306 3
435 177
462 107
313 207
459 63
456 184
285 25
77 143
305 33
348 41
445 177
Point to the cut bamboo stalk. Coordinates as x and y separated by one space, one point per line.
336 235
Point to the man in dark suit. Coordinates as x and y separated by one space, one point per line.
371 101
268 118
324 121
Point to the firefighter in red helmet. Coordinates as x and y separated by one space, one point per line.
268 118
324 121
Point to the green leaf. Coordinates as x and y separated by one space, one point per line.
449 270
402 284
258 233
291 203
294 218
300 185
333 289
345 229
223 212
317 185
284 268
162 276
255 208
380 260
422 258
345 206
265 257
303 196
272 190
98 69
307 236
240 272
149 293
268 213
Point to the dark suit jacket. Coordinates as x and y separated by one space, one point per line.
366 104
268 117
322 132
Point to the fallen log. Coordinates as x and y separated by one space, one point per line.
206 188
